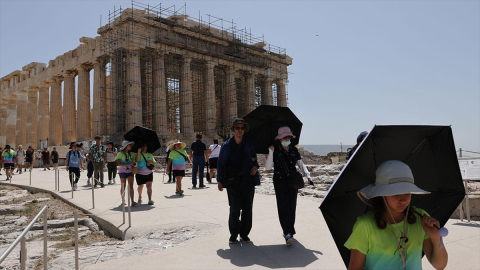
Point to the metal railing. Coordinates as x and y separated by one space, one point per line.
22 240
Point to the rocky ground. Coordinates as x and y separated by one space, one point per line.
18 207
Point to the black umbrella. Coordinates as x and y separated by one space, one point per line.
264 123
141 136
430 153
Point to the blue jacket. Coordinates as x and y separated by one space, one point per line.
223 158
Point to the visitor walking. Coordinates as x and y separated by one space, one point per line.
29 155
198 150
73 163
177 162
111 163
283 157
237 165
394 234
38 157
20 158
54 156
8 161
99 155
46 159
145 164
125 163
212 156
89 161
1 160
360 137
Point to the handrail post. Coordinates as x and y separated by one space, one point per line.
55 180
129 207
123 200
76 239
23 254
72 183
30 178
93 195
45 226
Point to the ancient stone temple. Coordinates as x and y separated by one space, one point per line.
153 67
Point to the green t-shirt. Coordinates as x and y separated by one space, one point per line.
380 246
125 159
178 161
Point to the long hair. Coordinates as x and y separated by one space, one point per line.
379 208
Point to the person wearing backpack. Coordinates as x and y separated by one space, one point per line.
73 163
20 159
8 161
177 158
111 163
213 153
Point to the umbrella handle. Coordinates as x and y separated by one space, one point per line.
443 232
422 216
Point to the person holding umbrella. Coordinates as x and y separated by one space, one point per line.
394 234
145 164
177 160
237 165
283 157
125 163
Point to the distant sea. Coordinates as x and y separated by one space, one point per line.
324 149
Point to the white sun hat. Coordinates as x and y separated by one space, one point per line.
125 143
393 177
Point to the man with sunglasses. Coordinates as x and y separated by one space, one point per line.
237 165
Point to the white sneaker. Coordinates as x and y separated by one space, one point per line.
113 180
75 186
288 239
110 182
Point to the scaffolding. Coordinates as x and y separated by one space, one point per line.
159 55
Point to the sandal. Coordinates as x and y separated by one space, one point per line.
150 202
134 203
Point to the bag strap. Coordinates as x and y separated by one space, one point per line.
180 153
283 161
143 157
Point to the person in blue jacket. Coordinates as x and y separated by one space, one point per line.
237 168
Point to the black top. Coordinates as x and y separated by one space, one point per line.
238 157
290 157
198 148
54 155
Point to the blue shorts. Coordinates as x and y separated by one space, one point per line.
125 175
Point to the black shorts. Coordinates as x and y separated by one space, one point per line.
212 163
9 166
46 161
54 161
28 160
178 173
143 179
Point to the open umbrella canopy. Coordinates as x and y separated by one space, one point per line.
430 153
264 123
141 135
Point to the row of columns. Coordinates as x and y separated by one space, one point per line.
37 113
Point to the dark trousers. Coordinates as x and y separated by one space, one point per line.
198 164
98 171
74 175
112 170
240 199
286 204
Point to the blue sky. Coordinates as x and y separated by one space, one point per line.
355 63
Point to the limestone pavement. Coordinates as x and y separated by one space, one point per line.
207 210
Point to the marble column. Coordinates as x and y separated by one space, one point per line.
43 112
231 96
210 103
3 122
56 112
32 114
134 92
21 126
267 95
12 121
250 85
160 94
281 93
84 131
69 111
99 98
114 96
186 102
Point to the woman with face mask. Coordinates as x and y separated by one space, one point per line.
283 156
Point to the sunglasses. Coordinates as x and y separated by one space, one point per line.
239 128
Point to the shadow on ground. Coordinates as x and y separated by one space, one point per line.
271 256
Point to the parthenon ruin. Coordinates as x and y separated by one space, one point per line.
153 67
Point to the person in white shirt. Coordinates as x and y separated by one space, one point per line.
111 163
212 156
